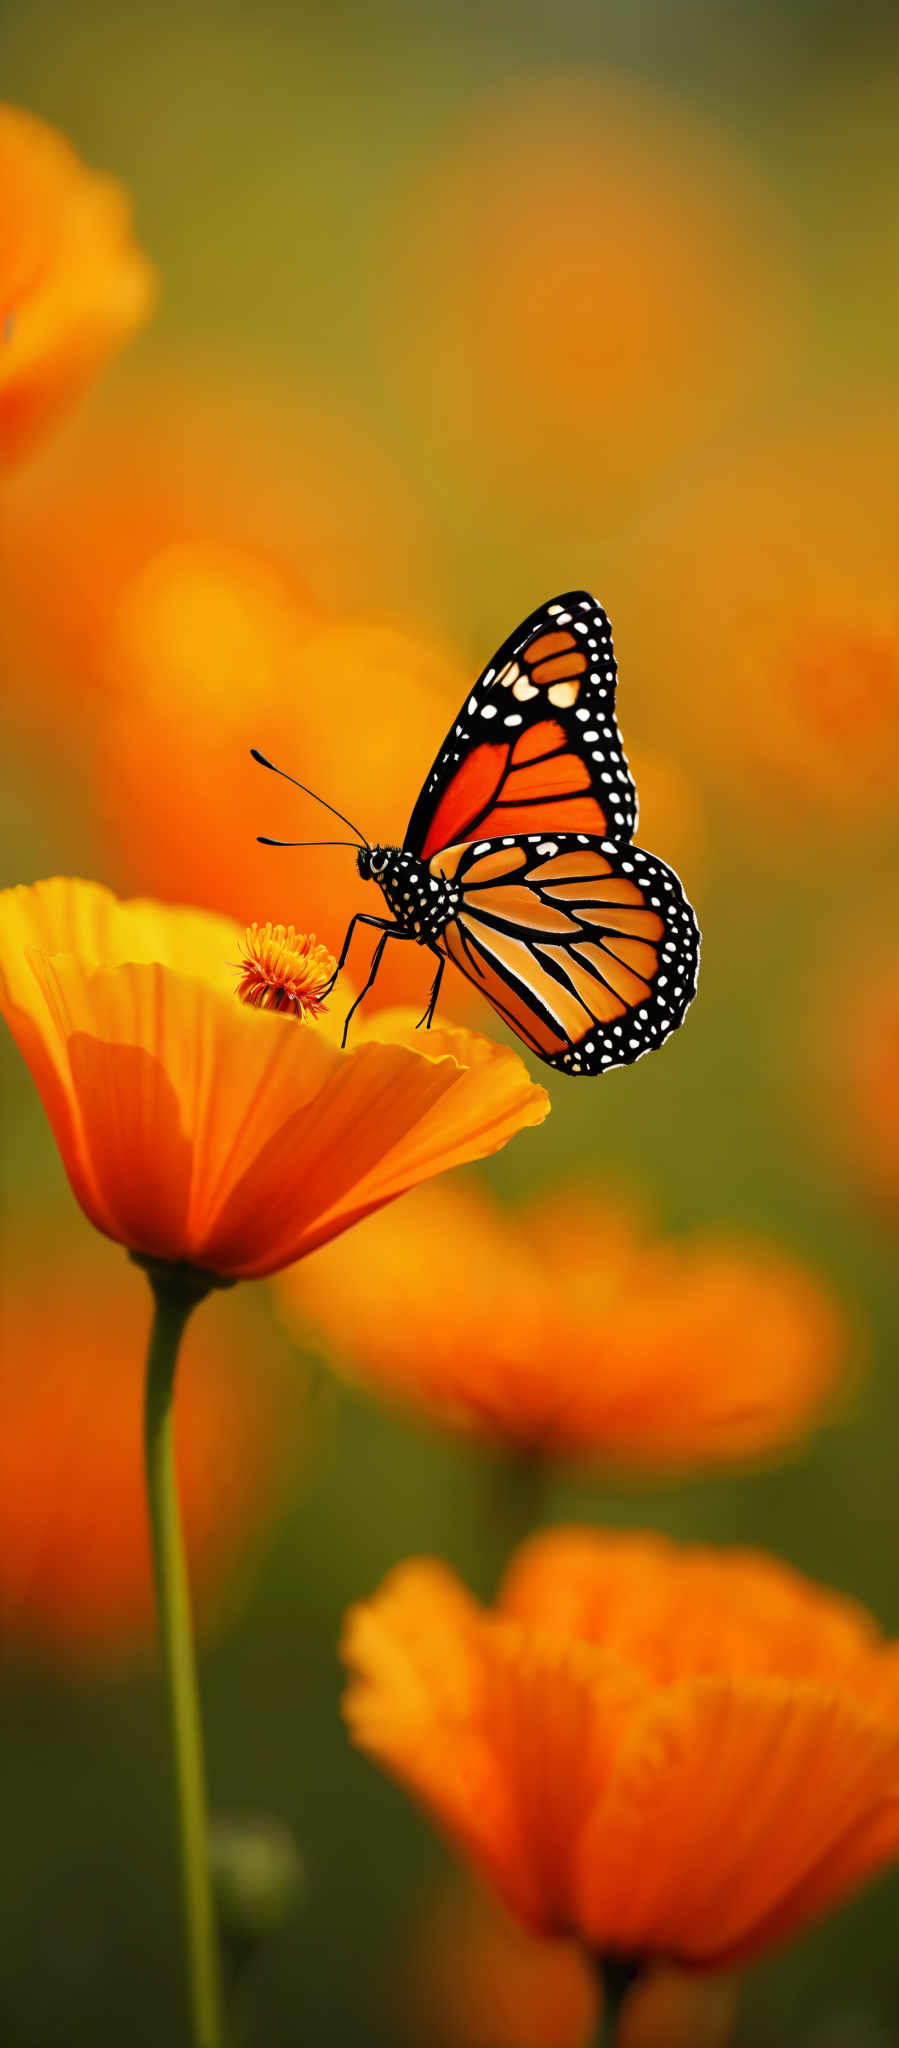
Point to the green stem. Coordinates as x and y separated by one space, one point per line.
615 1976
516 1491
175 1294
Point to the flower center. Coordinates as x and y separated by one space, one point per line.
282 969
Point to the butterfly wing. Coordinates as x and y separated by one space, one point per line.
587 949
536 747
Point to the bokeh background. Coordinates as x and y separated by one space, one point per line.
459 306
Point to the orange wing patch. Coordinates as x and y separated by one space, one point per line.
631 988
564 867
557 775
615 891
635 953
549 644
637 924
503 789
516 906
554 662
544 781
472 788
564 665
604 1006
510 1003
521 963
545 738
489 867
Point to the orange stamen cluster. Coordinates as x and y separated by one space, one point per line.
283 969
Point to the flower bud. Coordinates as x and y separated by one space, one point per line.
257 1875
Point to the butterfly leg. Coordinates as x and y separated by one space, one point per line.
388 931
428 1017
381 924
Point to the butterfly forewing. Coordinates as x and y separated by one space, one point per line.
588 950
536 747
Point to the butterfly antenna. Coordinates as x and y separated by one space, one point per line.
265 763
264 840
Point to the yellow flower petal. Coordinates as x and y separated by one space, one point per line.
193 1128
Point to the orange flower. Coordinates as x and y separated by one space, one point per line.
73 283
674 1754
302 688
583 275
230 468
75 1579
846 1107
781 568
478 1979
204 555
572 1331
195 1129
873 1075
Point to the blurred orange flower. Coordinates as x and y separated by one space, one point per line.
474 1978
583 275
193 1128
73 283
674 1754
781 570
303 692
75 1578
225 460
207 557
477 1979
849 1099
570 1330
874 1083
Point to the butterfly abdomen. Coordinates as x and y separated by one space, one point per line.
422 903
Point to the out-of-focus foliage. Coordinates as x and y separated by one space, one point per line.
458 307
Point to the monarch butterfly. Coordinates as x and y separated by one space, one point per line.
518 863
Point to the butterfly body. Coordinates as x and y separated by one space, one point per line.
519 867
421 900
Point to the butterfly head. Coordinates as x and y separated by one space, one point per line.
372 862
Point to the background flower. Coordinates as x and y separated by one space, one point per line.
73 283
472 1977
675 1756
212 554
75 1581
572 1330
580 272
780 568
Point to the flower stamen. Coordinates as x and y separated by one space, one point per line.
283 969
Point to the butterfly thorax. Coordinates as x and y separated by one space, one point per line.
422 903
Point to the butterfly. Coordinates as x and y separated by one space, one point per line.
518 865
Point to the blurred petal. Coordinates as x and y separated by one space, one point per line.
582 277
469 1976
725 1777
686 1770
608 1341
75 1578
73 283
673 1610
674 2009
495 1733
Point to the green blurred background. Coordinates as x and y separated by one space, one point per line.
270 153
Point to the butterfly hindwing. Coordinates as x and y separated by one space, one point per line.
589 950
536 746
